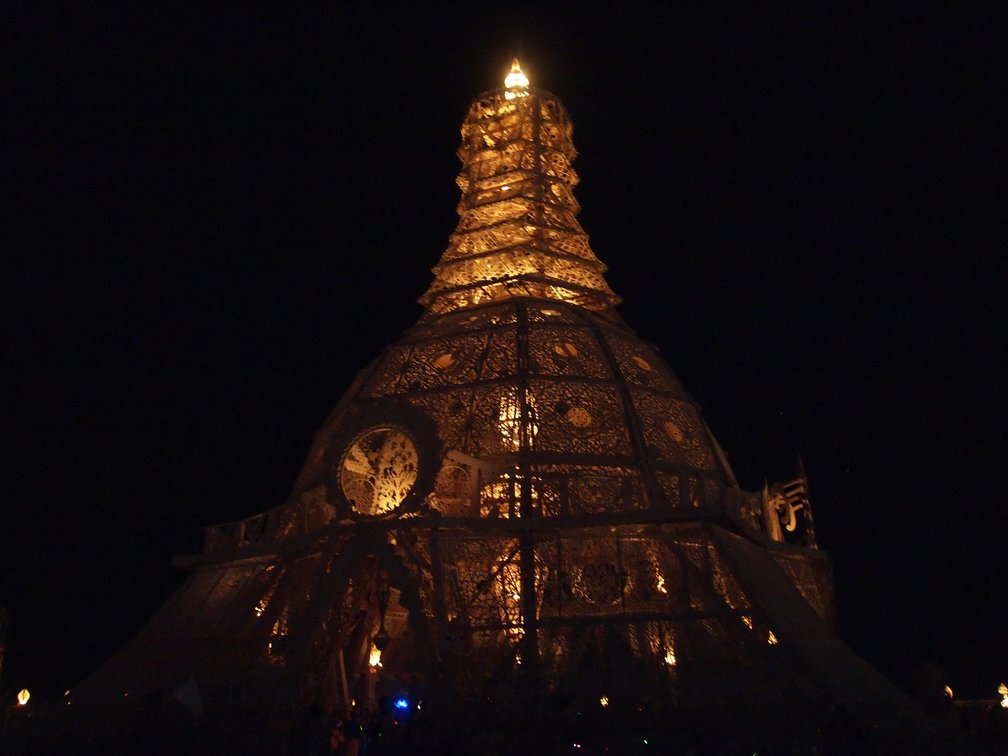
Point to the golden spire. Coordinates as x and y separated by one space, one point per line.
516 82
517 233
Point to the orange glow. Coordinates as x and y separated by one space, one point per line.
23 696
509 420
374 660
771 639
378 470
444 361
509 592
516 82
673 432
565 349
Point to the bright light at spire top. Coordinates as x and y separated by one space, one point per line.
516 82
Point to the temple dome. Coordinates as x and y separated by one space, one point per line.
538 394
516 508
532 391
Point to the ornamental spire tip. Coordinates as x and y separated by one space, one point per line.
516 79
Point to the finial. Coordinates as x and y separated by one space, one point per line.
516 82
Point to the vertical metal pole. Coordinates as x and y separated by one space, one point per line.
346 688
529 645
440 630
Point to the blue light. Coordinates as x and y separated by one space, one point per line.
401 703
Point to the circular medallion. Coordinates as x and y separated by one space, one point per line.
579 417
378 470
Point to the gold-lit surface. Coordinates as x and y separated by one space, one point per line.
517 428
378 470
516 82
574 475
517 233
519 480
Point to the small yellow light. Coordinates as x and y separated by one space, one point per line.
670 658
604 701
516 82
374 660
948 692
747 621
771 639
1003 690
23 696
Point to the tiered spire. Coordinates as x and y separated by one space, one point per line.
517 233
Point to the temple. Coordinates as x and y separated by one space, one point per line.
515 530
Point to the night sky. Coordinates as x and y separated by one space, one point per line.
215 218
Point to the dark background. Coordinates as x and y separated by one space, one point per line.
216 217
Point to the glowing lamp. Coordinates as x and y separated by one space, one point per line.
23 696
516 82
401 703
374 660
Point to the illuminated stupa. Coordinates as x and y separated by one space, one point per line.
515 509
